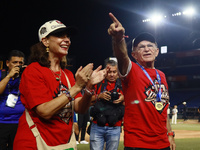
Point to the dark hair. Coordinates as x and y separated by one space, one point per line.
16 53
40 55
110 62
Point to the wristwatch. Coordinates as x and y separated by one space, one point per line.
172 133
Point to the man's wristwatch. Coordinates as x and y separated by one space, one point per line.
172 133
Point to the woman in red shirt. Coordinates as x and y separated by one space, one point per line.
48 89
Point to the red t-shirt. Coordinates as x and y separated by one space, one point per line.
38 85
110 86
144 126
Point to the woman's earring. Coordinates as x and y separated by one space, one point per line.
47 49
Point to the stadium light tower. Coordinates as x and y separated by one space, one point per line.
189 12
156 19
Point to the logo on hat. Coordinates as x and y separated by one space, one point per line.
50 27
54 26
59 22
43 30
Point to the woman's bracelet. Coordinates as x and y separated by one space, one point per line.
68 95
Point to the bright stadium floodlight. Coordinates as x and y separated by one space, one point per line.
146 20
156 18
189 12
176 14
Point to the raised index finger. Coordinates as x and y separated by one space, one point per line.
114 19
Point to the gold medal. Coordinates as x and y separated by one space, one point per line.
159 106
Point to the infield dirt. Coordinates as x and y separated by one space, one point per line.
180 134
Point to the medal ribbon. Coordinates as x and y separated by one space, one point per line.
158 98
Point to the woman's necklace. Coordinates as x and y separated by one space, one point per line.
56 74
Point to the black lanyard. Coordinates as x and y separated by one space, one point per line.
9 88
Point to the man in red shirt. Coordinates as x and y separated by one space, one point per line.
108 111
145 89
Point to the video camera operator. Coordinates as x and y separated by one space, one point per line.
108 110
11 107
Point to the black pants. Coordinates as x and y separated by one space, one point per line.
82 124
184 116
130 148
7 135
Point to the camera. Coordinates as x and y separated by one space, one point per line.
114 95
21 69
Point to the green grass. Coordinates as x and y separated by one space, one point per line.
188 144
193 127
181 144
87 147
185 126
83 146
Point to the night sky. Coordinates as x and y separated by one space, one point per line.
20 21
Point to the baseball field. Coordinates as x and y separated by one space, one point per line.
187 136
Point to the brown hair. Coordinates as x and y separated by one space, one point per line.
40 55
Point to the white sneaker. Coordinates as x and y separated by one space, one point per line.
77 142
84 142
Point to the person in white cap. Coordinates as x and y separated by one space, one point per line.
49 91
146 123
